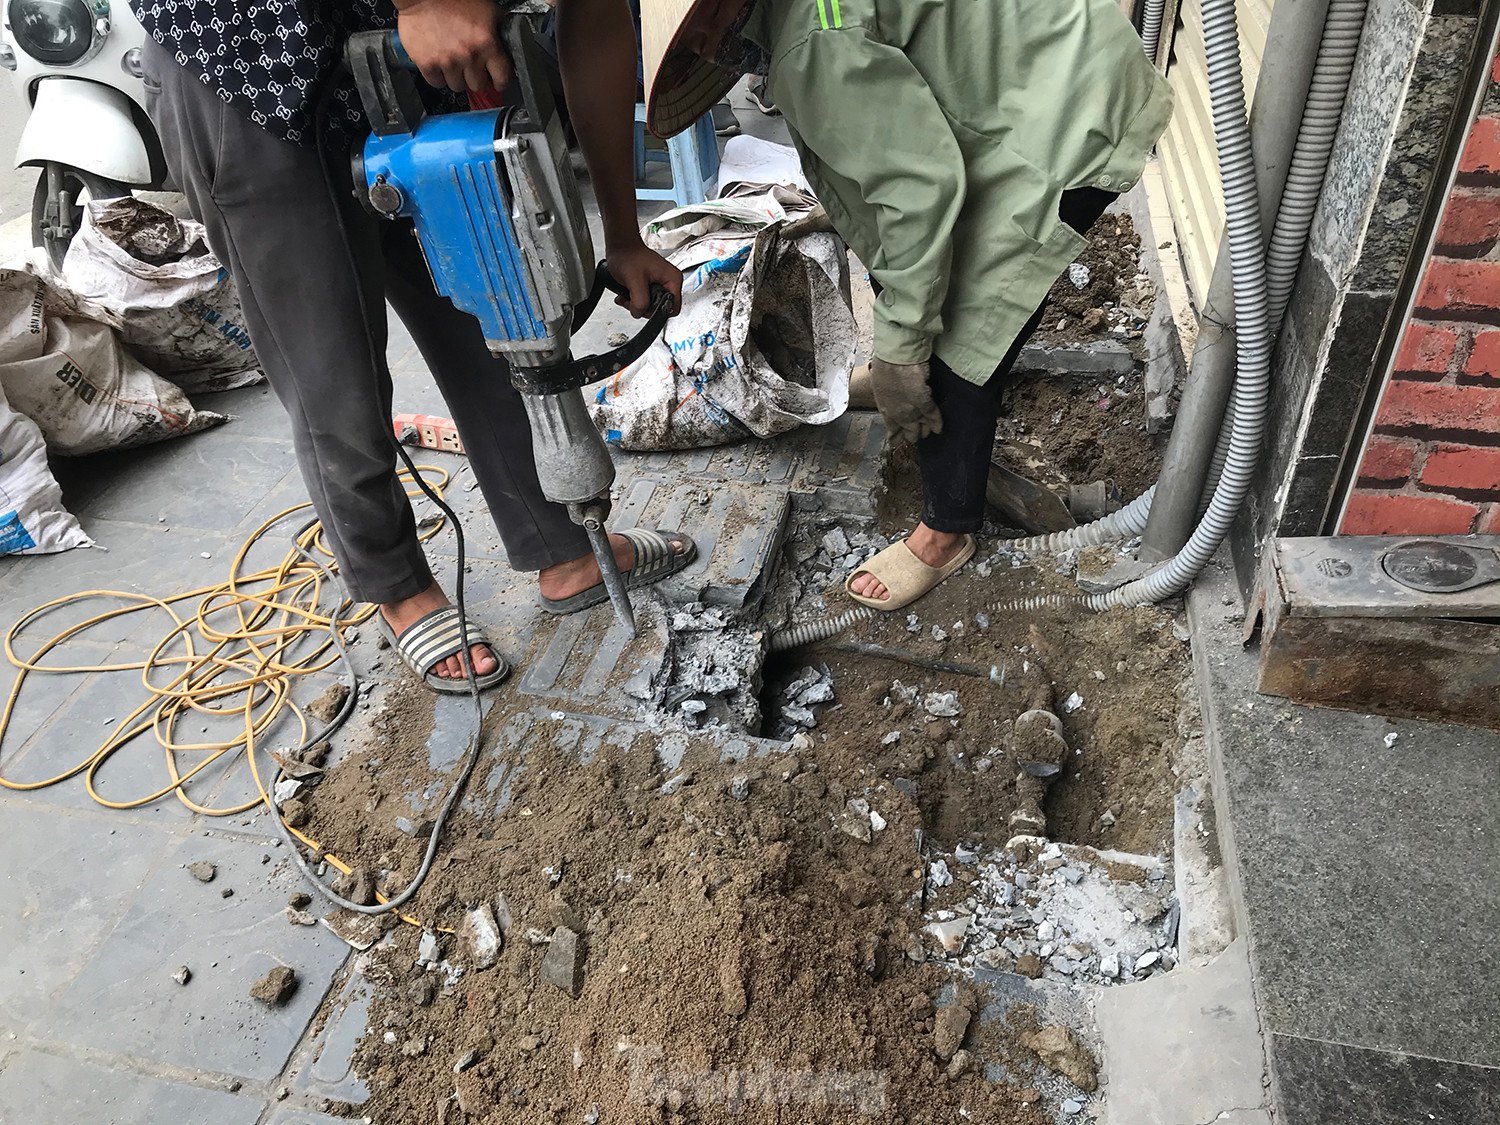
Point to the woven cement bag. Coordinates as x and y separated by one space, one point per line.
765 340
151 276
33 520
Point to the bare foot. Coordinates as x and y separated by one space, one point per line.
935 548
401 615
577 575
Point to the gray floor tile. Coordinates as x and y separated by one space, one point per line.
162 482
1368 871
254 412
45 1089
211 1024
65 881
329 1071
134 771
1333 1084
138 558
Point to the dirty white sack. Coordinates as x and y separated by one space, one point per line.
33 520
150 275
73 379
765 340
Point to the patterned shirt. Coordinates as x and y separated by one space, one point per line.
267 59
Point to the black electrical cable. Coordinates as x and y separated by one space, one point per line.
471 757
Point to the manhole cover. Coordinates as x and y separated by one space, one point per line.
1435 567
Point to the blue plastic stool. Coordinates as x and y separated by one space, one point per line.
693 155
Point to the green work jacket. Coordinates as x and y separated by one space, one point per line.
941 134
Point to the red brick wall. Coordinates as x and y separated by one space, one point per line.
1432 464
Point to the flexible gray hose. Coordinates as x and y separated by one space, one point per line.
1151 27
1315 137
1128 521
1245 424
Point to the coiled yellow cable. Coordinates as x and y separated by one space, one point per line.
237 650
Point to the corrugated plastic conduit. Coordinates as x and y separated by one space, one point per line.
1263 282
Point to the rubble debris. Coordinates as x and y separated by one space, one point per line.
466 1060
276 987
359 931
942 704
358 886
562 964
299 917
1062 1053
1072 1106
417 828
299 900
949 1027
959 1064
938 875
295 813
950 934
479 938
326 707
1065 911
183 975
202 870
739 787
422 991
429 950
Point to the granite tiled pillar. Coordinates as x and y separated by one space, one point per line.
1368 238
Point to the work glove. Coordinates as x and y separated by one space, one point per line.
815 221
904 399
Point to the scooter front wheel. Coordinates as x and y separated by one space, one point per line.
57 206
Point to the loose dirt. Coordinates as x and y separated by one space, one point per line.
751 932
1114 302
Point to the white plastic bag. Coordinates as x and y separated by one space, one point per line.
151 276
33 520
87 394
764 343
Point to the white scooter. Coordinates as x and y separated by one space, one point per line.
77 63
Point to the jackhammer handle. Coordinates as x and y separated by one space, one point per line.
398 51
661 300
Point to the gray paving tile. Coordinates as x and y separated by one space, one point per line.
329 1070
254 412
1368 871
290 1115
1334 1084
138 558
126 1001
45 1089
137 769
164 481
65 881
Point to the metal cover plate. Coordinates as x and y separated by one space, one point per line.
1348 576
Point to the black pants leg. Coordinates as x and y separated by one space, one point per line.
956 463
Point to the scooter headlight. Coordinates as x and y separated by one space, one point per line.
59 32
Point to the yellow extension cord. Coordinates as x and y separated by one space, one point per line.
245 667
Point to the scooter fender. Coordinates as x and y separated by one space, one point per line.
88 126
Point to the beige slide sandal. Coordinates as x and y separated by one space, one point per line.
905 576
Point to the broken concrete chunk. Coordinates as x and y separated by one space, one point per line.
419 828
296 813
479 938
949 1028
959 1064
676 782
299 917
183 975
562 965
1062 1053
938 874
464 1061
276 987
429 949
360 931
942 704
739 787
202 870
950 934
299 900
855 825
326 707
1146 961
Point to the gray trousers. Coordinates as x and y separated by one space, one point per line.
273 224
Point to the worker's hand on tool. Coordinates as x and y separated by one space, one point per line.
904 399
455 43
638 267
